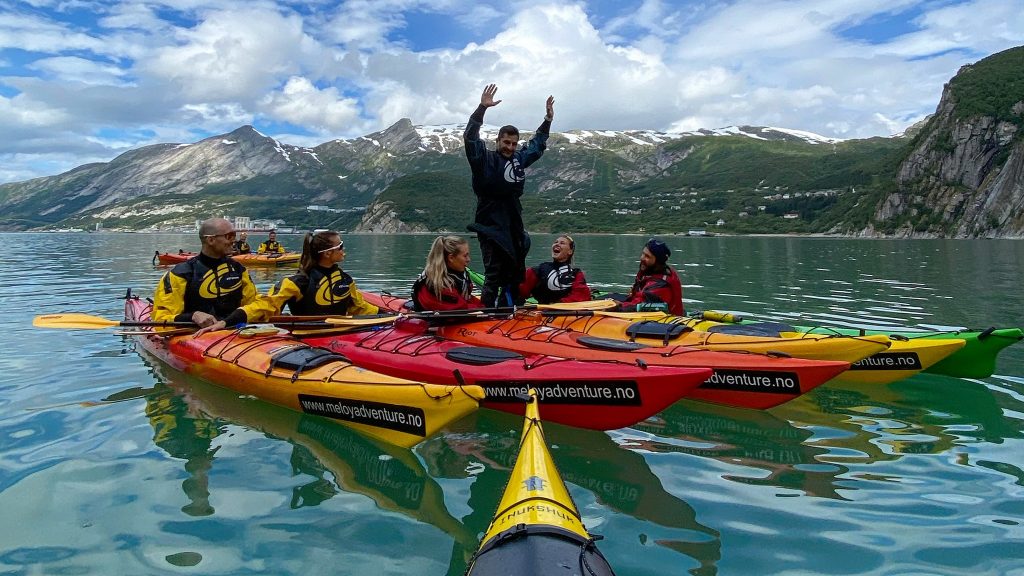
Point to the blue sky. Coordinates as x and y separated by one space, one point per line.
83 81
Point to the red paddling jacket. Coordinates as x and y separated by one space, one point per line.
458 297
654 288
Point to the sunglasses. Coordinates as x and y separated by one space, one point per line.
340 246
226 235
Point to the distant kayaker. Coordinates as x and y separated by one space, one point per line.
271 246
557 280
321 287
444 283
656 286
241 245
498 180
210 288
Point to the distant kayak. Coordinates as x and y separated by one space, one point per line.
253 259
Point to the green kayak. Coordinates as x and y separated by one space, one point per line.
977 359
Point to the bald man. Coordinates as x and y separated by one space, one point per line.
210 288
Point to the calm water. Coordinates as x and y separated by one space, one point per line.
111 463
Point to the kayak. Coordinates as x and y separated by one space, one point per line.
595 394
282 370
663 333
273 259
537 528
977 359
908 355
878 365
738 379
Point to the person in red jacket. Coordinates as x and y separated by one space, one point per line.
557 280
444 283
656 286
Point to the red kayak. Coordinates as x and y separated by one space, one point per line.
595 394
739 378
273 259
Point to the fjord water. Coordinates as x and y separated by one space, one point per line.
112 463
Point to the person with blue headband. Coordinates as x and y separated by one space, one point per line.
656 286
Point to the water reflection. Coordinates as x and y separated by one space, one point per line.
187 414
861 426
618 479
751 438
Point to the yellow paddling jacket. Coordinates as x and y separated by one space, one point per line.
204 284
324 291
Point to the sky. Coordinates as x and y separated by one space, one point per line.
83 81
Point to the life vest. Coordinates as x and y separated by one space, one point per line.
459 296
212 286
554 281
325 291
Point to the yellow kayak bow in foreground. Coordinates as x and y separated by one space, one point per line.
537 528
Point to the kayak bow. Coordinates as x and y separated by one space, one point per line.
537 528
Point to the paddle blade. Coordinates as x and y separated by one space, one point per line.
73 320
356 321
587 305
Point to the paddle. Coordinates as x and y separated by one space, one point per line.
657 315
89 322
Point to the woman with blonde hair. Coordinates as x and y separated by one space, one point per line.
321 287
444 283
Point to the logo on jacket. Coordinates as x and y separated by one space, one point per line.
513 171
218 282
560 278
332 289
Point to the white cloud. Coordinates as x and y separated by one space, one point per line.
342 68
302 104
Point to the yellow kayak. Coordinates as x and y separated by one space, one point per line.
904 358
664 330
537 528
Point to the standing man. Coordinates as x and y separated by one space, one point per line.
271 246
210 288
498 180
656 286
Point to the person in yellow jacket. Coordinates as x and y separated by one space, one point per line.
210 288
321 287
271 246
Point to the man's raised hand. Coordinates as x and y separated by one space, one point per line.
487 98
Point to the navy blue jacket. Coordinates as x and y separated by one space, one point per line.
498 184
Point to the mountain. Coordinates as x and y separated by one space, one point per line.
964 173
959 174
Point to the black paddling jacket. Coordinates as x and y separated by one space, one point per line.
221 288
324 291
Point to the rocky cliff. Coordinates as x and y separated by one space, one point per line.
964 174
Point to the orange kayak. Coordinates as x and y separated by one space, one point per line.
280 369
170 258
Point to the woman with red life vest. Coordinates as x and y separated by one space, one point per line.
557 280
656 286
444 283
